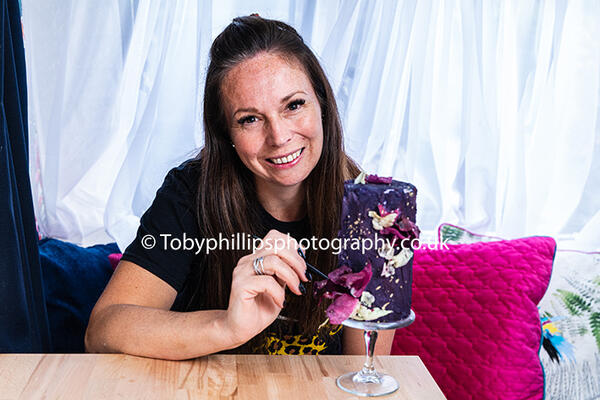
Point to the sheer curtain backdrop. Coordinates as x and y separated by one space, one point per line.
490 108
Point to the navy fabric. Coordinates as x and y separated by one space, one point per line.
74 278
23 317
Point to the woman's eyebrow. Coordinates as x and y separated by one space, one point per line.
254 110
289 96
251 109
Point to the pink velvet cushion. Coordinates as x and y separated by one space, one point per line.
477 326
114 259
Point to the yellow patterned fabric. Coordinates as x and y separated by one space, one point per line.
303 344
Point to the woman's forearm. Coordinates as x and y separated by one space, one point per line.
156 333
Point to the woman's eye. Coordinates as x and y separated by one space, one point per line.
296 104
247 120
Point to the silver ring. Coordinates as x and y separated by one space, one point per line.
262 266
258 262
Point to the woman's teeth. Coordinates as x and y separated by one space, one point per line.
288 159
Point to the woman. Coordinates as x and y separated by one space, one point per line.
273 164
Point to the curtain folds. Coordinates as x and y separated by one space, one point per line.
489 108
23 315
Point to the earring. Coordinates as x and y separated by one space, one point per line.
232 145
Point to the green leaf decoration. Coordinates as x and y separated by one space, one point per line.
595 325
451 233
582 331
573 302
547 314
586 289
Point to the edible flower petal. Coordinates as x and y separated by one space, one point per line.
380 222
386 251
367 299
401 259
383 212
342 307
356 282
360 178
393 231
388 270
345 287
406 225
378 179
363 313
337 275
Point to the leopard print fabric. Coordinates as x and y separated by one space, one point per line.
303 344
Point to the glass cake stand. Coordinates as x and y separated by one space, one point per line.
368 382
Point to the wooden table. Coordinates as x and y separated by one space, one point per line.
111 376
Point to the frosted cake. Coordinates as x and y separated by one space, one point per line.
373 283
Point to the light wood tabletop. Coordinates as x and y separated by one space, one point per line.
111 376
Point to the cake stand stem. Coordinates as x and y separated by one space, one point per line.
368 382
368 374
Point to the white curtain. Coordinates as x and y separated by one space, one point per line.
490 108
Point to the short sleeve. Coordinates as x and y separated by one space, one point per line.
164 240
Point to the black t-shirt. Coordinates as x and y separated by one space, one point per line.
169 227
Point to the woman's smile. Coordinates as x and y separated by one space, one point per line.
286 160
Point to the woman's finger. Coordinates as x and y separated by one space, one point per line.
286 247
274 265
257 285
271 264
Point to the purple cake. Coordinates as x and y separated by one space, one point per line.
373 281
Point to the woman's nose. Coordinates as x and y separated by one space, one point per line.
278 133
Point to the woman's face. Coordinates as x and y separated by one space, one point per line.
274 119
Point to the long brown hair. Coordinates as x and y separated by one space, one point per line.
227 200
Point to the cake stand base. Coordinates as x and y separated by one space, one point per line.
368 382
352 383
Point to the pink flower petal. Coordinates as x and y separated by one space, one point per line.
359 281
342 281
378 179
341 308
337 274
393 231
356 282
406 225
383 212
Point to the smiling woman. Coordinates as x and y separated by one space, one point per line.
273 164
278 137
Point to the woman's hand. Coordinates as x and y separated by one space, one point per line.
256 300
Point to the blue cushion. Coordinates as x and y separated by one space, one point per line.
74 278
